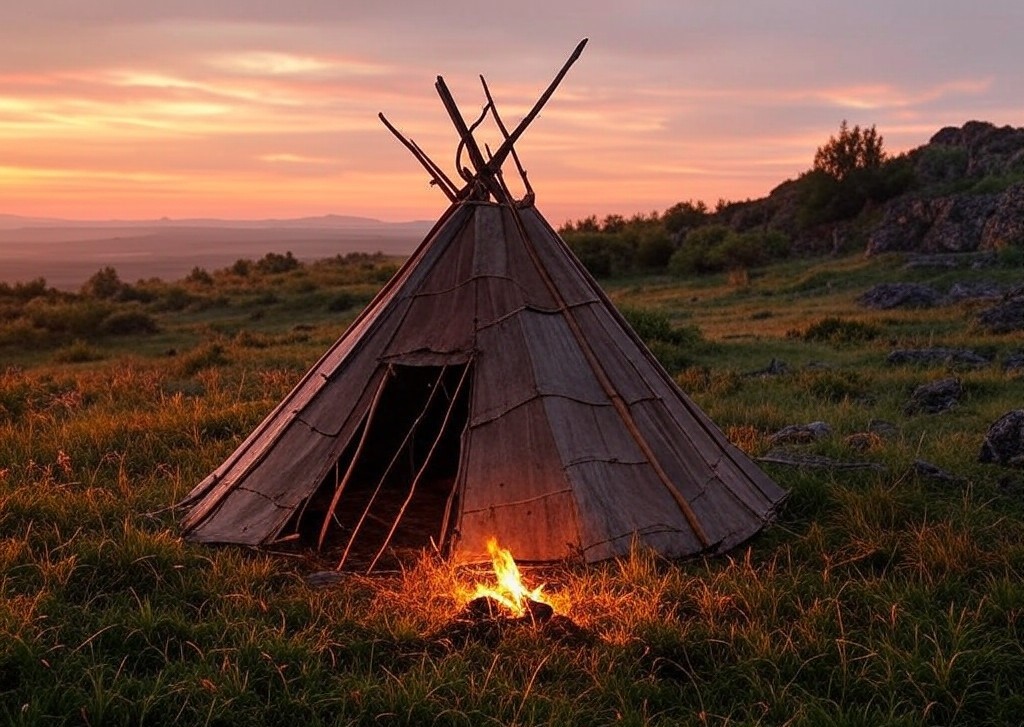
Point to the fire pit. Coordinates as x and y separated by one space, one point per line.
508 606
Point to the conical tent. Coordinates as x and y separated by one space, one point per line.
490 389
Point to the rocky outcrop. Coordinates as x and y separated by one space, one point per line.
1005 226
973 157
939 225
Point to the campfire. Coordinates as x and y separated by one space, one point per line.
509 595
506 605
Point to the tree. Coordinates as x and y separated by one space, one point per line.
852 150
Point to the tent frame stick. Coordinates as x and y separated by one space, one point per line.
355 458
438 177
529 196
422 469
442 536
387 471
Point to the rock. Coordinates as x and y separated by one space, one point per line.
775 367
935 397
883 429
1005 226
973 260
1014 362
801 433
931 472
959 222
978 290
885 296
1004 442
936 356
1007 315
863 441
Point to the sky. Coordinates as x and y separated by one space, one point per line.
250 109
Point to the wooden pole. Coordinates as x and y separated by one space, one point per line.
355 458
437 177
529 197
506 147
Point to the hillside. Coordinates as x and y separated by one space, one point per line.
963 191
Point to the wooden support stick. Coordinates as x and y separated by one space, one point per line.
422 469
355 458
484 174
437 178
504 132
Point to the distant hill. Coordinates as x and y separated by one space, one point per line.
67 252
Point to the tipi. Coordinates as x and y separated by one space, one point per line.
490 389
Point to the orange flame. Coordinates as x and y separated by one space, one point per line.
510 590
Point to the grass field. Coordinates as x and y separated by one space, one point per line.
881 596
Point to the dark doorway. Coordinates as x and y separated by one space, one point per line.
397 472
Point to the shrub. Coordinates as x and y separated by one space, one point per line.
174 298
199 276
341 302
654 250
104 284
202 357
274 262
24 291
78 318
652 325
78 351
715 248
837 331
241 268
128 322
603 254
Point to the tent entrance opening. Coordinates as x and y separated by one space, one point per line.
393 487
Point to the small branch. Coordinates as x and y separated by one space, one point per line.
437 177
504 131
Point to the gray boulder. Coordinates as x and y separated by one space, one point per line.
1004 442
935 397
886 296
936 356
1007 315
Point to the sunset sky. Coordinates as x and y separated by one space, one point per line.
268 108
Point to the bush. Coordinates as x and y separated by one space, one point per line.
78 351
603 254
129 322
199 276
104 284
716 248
24 291
203 357
78 318
274 262
837 331
653 325
341 302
